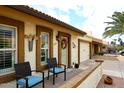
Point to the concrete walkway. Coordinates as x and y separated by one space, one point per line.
112 65
113 68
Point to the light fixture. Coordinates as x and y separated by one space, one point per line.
30 39
73 45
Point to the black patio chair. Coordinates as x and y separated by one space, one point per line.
55 68
24 77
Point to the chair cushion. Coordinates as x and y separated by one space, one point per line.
31 81
57 70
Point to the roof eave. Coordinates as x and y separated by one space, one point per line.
32 12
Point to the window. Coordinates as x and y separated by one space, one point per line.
7 48
44 47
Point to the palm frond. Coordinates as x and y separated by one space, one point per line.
116 26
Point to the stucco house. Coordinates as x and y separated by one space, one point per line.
30 35
98 46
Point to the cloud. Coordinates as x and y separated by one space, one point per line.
95 11
53 12
97 14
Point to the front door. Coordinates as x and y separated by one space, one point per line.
64 49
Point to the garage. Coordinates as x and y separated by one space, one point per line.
84 51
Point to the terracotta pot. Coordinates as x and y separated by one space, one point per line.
108 80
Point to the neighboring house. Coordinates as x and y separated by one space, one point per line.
98 46
29 35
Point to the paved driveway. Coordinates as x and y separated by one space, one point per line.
113 68
112 65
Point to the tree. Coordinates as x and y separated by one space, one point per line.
113 43
116 26
119 47
120 41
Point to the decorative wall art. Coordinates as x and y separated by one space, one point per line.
64 42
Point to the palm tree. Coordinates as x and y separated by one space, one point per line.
116 26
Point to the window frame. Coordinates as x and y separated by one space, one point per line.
48 44
7 49
40 29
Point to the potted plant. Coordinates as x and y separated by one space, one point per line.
76 65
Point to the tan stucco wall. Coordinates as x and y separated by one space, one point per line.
74 51
30 28
27 18
105 42
86 38
94 77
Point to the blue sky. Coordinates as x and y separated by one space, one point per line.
71 17
87 15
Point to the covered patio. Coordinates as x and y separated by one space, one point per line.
75 77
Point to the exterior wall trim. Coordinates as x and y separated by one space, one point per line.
20 42
69 48
40 29
84 41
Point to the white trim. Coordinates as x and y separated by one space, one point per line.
44 48
16 48
7 49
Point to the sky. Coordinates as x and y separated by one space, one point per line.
87 15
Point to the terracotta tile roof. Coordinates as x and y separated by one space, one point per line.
39 14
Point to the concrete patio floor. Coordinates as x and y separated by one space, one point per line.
112 66
73 77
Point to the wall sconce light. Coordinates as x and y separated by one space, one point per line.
30 39
73 45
